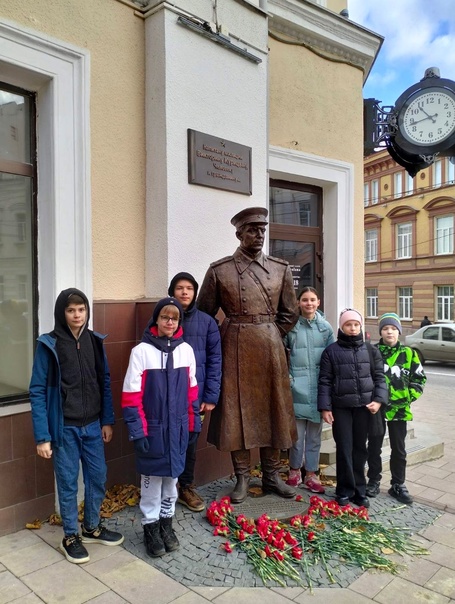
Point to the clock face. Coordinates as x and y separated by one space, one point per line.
428 117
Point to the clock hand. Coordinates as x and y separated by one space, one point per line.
428 115
425 118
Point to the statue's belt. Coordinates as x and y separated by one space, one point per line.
251 318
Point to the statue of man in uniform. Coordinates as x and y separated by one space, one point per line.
257 296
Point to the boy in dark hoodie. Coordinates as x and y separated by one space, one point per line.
157 400
72 415
201 332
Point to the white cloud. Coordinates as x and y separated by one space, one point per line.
417 34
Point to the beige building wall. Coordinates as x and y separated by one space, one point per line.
316 106
114 37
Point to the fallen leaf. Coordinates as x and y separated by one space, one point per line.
36 524
255 491
387 550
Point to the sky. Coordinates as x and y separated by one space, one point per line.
417 34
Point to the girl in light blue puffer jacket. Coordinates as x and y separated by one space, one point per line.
306 342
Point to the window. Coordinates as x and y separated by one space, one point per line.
374 191
398 184
450 171
444 235
409 184
372 302
405 302
295 230
444 302
18 249
448 334
366 194
371 245
404 240
437 173
432 333
57 74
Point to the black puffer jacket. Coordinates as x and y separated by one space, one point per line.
345 375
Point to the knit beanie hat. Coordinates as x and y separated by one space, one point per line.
161 304
390 318
349 314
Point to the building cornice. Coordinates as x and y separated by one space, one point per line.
325 31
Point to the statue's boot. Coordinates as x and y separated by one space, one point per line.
241 463
271 479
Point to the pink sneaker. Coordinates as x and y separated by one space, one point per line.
313 484
294 478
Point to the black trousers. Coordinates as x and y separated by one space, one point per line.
187 476
350 431
374 454
397 436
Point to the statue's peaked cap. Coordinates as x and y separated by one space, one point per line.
250 215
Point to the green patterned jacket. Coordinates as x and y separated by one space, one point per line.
405 379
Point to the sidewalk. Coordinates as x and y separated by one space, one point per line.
33 570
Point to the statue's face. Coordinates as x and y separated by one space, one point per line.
252 237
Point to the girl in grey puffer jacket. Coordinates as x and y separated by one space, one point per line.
306 342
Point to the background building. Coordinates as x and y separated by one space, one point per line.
409 242
108 109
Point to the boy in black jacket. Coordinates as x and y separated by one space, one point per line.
349 391
72 415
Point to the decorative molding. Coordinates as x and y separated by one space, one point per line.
336 178
401 212
325 31
444 202
59 73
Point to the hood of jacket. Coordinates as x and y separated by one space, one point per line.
61 327
188 277
150 335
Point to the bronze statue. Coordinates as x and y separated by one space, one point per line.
256 294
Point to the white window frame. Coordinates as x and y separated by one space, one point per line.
59 73
444 302
443 235
450 172
366 194
371 299
409 184
371 245
374 191
404 240
405 303
397 185
437 173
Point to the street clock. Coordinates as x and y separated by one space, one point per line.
419 127
425 117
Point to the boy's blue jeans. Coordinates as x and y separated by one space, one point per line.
84 444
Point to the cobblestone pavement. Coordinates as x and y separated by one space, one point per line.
200 561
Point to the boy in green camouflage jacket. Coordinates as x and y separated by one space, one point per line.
405 379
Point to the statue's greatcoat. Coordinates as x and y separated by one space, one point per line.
258 299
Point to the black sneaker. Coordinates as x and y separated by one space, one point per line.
73 549
102 535
400 493
373 488
342 501
360 501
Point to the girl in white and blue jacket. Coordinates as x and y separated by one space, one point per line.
306 342
157 400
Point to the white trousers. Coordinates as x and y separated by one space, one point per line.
158 497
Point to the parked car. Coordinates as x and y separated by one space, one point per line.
434 342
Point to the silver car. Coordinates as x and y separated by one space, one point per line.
434 342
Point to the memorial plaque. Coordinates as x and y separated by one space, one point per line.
218 163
